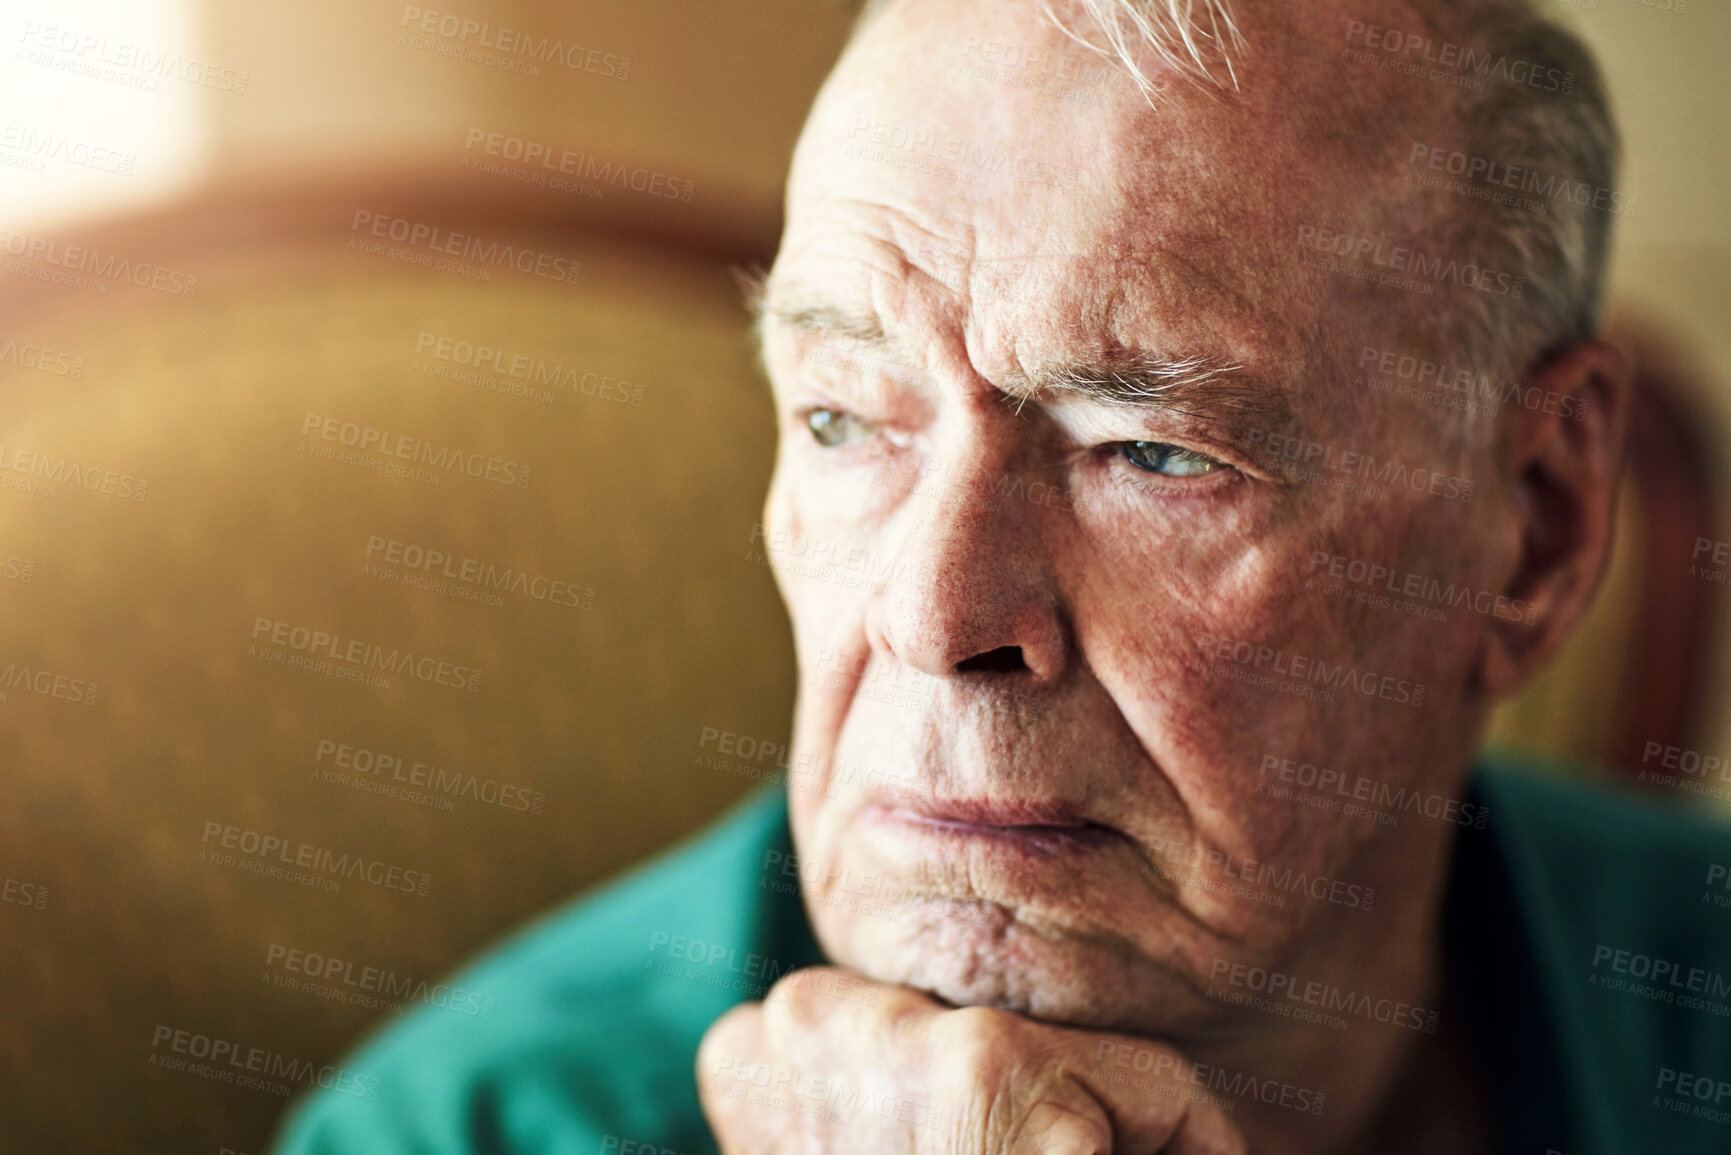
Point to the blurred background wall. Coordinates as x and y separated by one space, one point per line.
610 665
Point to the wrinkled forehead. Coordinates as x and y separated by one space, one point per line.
977 148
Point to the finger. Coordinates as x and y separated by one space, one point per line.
1160 1109
1205 1131
1072 1118
1176 1120
737 1032
1055 1129
720 1090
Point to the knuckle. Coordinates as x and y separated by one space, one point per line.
730 1032
972 1049
1057 1129
1208 1132
975 1030
792 996
1233 1143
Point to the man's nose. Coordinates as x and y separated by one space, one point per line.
971 589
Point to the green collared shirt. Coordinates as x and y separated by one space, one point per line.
1588 935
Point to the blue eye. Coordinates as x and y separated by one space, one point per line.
1167 460
833 428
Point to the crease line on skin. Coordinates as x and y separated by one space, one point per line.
846 709
1160 885
1108 936
1123 382
940 256
1126 382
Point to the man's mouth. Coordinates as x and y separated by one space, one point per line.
1049 827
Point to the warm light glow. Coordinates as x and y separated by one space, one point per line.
104 107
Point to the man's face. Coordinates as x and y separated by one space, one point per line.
1056 643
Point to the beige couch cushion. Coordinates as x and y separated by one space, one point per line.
196 523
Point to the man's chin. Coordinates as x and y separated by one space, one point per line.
970 954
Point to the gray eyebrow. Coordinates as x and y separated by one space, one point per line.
863 327
1197 385
860 325
1140 380
802 306
804 313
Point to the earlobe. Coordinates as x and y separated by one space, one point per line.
1560 454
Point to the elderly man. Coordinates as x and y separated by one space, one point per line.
1228 449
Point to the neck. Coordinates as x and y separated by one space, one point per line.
1380 973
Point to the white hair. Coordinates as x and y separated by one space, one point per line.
1194 37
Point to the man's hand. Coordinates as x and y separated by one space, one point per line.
833 1063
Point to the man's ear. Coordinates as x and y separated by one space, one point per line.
1561 459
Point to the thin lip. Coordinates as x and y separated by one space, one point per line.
972 815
